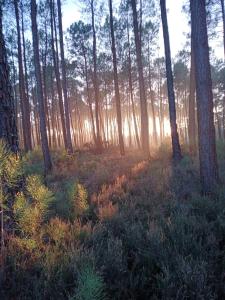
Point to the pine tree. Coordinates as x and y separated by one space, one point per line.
206 129
8 129
44 138
171 96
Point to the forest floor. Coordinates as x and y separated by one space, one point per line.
116 228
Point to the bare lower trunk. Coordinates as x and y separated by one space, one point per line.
57 74
143 99
64 81
171 97
131 91
44 138
23 96
8 129
206 129
96 84
116 83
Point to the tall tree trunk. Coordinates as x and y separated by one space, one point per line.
191 112
57 73
25 71
152 98
46 101
8 129
96 83
44 138
116 82
53 115
88 94
23 96
131 90
143 99
206 129
64 81
44 72
171 97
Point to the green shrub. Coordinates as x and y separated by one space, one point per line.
10 171
77 196
71 201
32 207
90 285
151 236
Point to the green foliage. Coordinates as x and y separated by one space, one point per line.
90 285
149 234
71 201
31 207
41 196
61 206
78 196
10 170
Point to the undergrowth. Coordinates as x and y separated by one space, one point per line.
112 228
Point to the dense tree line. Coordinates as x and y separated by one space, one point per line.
102 82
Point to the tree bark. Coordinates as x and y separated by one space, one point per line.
44 138
23 96
206 130
57 74
88 95
152 98
171 97
143 99
8 129
25 74
64 81
131 90
96 83
116 82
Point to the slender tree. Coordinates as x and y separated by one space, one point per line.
95 82
56 69
171 96
142 91
116 82
206 129
131 91
22 88
44 138
64 81
8 129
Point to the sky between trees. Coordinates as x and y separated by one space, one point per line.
177 20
